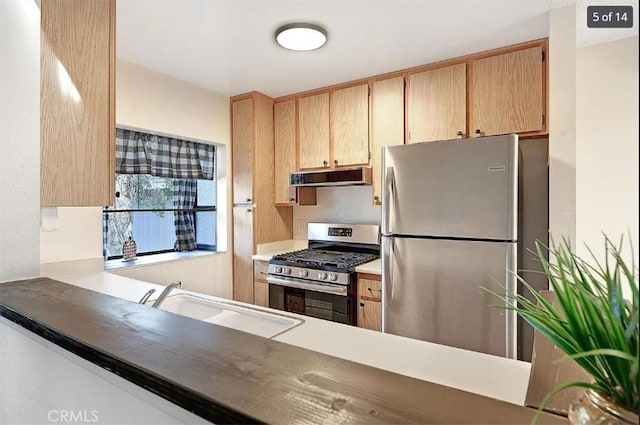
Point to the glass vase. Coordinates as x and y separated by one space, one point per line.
593 408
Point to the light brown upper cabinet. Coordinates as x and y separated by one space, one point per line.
313 131
350 125
507 93
242 158
77 103
284 126
387 124
436 104
284 122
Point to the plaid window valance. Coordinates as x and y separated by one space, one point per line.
142 153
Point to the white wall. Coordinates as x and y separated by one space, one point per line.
19 138
41 381
607 142
593 132
349 204
562 122
154 102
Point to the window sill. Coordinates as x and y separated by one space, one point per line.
166 257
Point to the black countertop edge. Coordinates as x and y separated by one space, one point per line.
183 397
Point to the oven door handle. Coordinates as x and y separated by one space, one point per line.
309 286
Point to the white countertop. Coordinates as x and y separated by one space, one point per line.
267 250
479 373
372 267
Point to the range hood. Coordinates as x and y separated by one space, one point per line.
332 177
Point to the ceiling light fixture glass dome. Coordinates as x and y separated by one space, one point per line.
301 37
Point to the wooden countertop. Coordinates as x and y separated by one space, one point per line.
228 376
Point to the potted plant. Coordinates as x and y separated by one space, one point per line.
593 324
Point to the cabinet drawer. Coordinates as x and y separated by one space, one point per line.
260 269
370 289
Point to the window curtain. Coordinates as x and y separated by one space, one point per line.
142 153
184 196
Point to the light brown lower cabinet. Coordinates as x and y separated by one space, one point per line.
370 301
260 285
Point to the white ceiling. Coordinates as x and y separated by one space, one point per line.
228 45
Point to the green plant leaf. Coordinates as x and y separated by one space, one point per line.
593 323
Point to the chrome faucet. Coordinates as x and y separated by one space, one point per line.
165 293
146 296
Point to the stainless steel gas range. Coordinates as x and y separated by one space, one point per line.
320 281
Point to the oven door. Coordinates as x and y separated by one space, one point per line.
324 301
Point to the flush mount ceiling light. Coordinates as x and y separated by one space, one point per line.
301 37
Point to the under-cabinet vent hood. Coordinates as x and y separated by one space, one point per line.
332 177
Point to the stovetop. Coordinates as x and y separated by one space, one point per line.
324 259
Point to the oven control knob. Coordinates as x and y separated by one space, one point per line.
286 270
322 275
333 277
304 273
278 269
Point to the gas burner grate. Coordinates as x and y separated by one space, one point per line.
326 258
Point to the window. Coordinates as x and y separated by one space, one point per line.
146 209
165 195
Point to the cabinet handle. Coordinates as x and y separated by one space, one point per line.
249 210
292 199
461 134
478 132
248 199
325 163
377 290
376 198
335 161
361 304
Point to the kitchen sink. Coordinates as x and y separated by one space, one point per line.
255 321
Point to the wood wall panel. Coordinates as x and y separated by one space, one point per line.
313 131
77 127
349 125
436 104
507 94
272 223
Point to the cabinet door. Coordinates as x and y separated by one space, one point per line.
436 104
242 156
242 253
261 293
260 285
507 93
313 131
284 115
350 125
370 315
77 118
387 125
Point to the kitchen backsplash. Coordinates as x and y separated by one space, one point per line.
349 204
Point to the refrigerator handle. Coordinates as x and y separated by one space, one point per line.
387 268
511 317
387 196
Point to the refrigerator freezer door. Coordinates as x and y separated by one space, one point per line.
432 292
464 188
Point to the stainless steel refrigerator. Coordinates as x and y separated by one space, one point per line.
452 222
